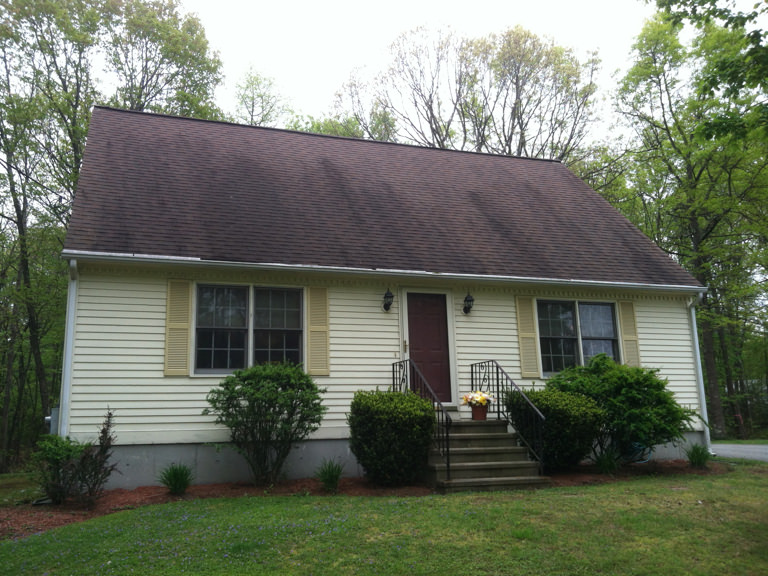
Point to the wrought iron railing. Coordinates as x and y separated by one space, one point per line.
489 377
407 376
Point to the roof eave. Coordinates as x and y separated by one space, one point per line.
83 255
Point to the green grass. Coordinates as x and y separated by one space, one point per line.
18 488
688 524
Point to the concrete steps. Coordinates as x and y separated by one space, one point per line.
484 457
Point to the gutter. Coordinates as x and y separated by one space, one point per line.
69 350
699 374
422 274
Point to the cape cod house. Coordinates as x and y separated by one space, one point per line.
198 247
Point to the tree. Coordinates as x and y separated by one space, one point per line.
258 103
733 73
512 94
162 60
703 193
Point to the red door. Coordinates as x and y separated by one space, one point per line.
428 341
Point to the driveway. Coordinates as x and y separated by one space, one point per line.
748 451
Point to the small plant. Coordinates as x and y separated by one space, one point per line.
329 473
477 398
177 478
698 456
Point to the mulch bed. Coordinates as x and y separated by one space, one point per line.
26 519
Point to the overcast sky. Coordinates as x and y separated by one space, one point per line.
310 47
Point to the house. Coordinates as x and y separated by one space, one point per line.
198 247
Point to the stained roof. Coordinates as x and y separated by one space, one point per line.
157 185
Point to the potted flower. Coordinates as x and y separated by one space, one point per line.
479 402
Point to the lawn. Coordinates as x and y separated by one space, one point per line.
688 524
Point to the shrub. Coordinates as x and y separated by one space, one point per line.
177 478
698 456
329 473
55 460
572 423
268 409
69 469
639 410
390 434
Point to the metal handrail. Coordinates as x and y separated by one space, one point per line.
407 376
490 377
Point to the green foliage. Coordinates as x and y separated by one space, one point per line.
390 434
639 410
55 460
573 421
268 408
70 469
329 473
698 455
177 478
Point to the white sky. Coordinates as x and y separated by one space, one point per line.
310 47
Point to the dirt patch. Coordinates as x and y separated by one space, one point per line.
25 519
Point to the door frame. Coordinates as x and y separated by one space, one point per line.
450 324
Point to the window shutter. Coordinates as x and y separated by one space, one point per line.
177 328
526 335
317 338
629 339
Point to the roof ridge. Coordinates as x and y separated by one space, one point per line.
324 136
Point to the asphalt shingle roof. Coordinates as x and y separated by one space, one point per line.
167 186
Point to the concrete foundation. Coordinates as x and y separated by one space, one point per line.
141 465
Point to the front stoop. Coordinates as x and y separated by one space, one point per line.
485 456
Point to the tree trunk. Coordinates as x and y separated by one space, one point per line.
714 402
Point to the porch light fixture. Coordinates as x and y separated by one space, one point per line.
388 299
468 303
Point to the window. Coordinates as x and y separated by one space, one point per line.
571 333
228 337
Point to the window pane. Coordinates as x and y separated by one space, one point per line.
558 354
597 321
557 319
595 347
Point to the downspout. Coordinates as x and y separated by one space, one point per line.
69 350
699 375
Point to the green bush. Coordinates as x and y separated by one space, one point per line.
268 408
177 478
55 460
70 469
572 423
390 434
639 410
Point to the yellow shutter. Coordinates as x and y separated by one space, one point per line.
177 328
526 335
317 335
629 337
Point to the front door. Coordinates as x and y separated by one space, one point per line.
428 340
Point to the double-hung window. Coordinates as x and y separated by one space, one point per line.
571 333
237 326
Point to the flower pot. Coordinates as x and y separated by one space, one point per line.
480 412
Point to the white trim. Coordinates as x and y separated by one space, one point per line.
142 258
69 351
699 375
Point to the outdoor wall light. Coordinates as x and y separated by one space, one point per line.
388 299
468 303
